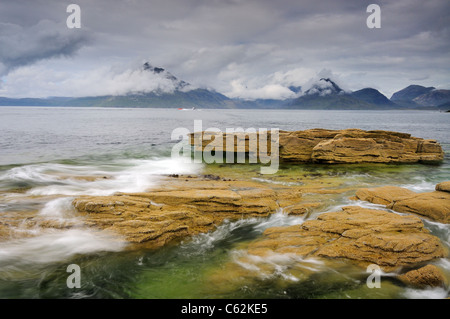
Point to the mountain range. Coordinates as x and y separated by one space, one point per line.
324 94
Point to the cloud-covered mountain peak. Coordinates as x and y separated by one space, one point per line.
178 84
324 86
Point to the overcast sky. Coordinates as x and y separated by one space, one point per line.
242 48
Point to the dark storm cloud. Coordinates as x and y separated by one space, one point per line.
20 46
241 47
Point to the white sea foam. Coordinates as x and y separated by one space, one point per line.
439 229
133 175
278 219
279 264
444 263
430 293
275 264
56 246
269 181
420 187
60 208
206 241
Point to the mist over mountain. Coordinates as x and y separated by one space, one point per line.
158 88
166 91
179 84
326 94
324 87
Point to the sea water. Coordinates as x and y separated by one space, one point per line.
49 156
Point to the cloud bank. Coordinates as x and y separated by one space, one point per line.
40 82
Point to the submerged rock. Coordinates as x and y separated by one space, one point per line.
364 236
331 146
433 205
183 208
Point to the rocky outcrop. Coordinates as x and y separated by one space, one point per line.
184 207
356 146
428 276
333 146
433 205
364 236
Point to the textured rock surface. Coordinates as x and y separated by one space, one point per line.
184 207
383 195
443 187
365 236
428 276
356 146
433 205
336 146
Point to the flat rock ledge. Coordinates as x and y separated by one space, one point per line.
363 236
331 146
432 205
184 207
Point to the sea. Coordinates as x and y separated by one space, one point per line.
49 156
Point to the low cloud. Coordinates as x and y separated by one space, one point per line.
284 85
269 91
316 85
41 82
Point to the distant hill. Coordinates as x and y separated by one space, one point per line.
374 97
433 98
410 93
418 96
195 98
326 94
182 97
323 94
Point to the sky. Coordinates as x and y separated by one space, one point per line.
242 48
